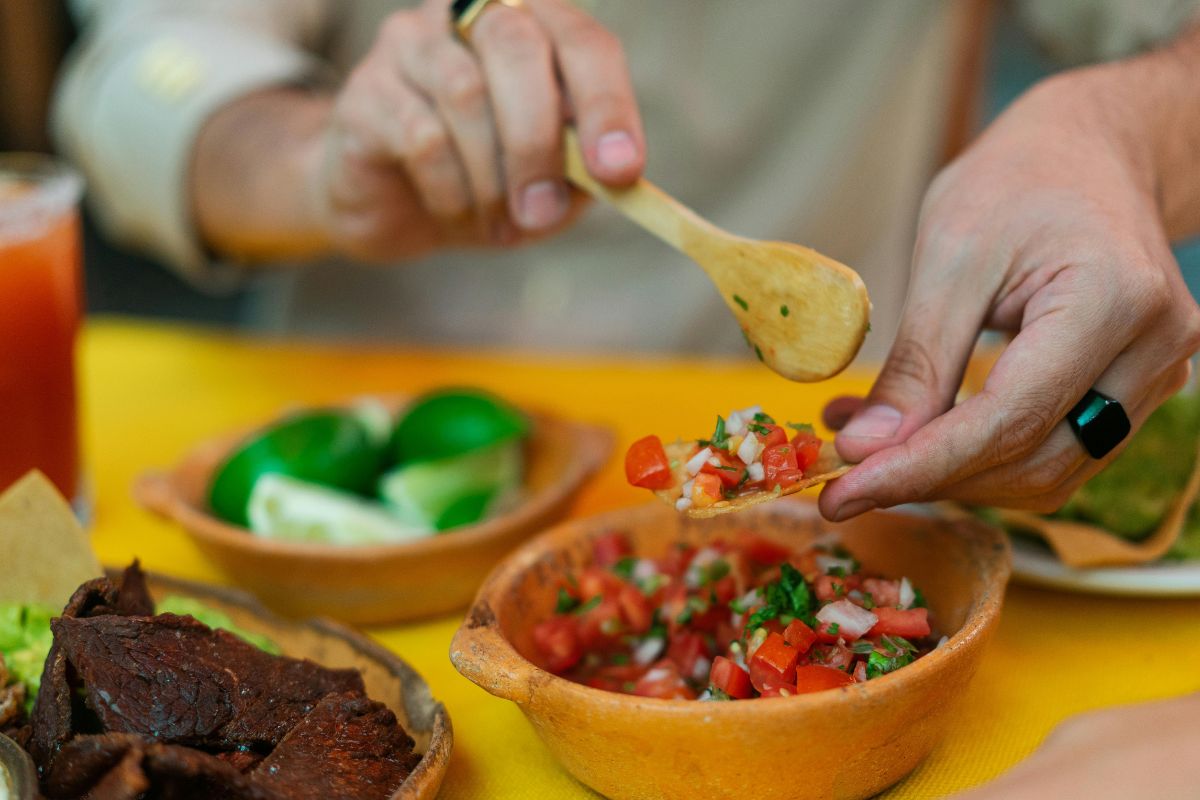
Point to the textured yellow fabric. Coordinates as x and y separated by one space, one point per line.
150 392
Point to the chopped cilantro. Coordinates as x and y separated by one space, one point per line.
589 605
728 469
766 419
619 659
695 605
718 695
862 647
757 428
783 311
919 599
714 571
836 571
868 602
720 439
745 306
789 596
758 352
566 602
802 427
761 617
624 568
880 664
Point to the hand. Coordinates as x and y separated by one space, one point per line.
1047 228
435 142
1145 750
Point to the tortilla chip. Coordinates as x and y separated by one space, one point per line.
829 466
44 552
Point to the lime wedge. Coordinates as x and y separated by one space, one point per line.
452 492
331 448
285 508
451 423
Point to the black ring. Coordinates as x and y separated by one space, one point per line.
1099 423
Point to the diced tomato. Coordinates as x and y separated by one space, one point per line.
647 465
799 636
786 477
911 623
825 633
808 449
730 471
883 592
730 679
806 562
835 655
674 602
677 560
558 641
814 678
829 588
775 435
706 490
635 609
725 589
773 663
761 550
609 548
663 680
594 581
685 649
777 459
600 627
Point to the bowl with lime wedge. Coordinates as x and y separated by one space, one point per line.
377 510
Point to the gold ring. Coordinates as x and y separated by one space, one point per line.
464 13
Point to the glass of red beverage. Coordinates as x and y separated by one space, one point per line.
40 302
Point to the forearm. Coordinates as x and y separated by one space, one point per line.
251 177
1152 103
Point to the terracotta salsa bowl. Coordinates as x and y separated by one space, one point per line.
842 743
378 583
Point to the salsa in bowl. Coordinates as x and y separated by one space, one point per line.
849 742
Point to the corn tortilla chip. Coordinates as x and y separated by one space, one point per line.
829 466
44 551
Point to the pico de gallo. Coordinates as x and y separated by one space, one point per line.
748 455
730 621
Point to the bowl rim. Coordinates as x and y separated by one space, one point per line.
484 655
155 490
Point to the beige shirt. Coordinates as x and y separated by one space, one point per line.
803 120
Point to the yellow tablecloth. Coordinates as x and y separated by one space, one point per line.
149 392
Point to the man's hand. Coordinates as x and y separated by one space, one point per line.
1049 228
432 141
1145 750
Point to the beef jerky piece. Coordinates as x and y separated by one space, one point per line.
126 781
83 762
181 773
97 596
12 705
349 747
51 720
133 596
241 760
176 680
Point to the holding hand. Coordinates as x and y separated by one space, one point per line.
1048 228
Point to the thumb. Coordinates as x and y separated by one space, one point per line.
918 382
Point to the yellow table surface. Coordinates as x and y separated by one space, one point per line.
151 391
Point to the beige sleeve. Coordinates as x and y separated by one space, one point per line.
138 86
1084 31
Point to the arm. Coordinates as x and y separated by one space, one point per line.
430 142
1055 226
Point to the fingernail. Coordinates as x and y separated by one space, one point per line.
616 150
876 422
853 509
543 205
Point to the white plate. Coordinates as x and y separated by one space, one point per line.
1033 563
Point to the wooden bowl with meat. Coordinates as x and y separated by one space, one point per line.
610 633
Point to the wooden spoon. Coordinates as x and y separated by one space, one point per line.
804 314
1080 545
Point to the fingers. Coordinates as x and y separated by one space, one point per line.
1040 376
599 91
839 410
518 63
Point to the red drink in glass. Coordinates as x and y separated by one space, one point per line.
39 316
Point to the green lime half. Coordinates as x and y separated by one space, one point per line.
452 423
330 448
452 492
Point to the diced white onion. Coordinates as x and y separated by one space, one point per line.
755 641
648 650
736 654
907 595
683 504
701 670
714 462
700 561
749 450
757 471
941 642
644 568
704 696
827 563
686 489
735 425
656 675
696 462
852 621
748 599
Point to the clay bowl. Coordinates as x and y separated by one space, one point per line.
845 743
388 678
378 583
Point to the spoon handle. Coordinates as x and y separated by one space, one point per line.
643 203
